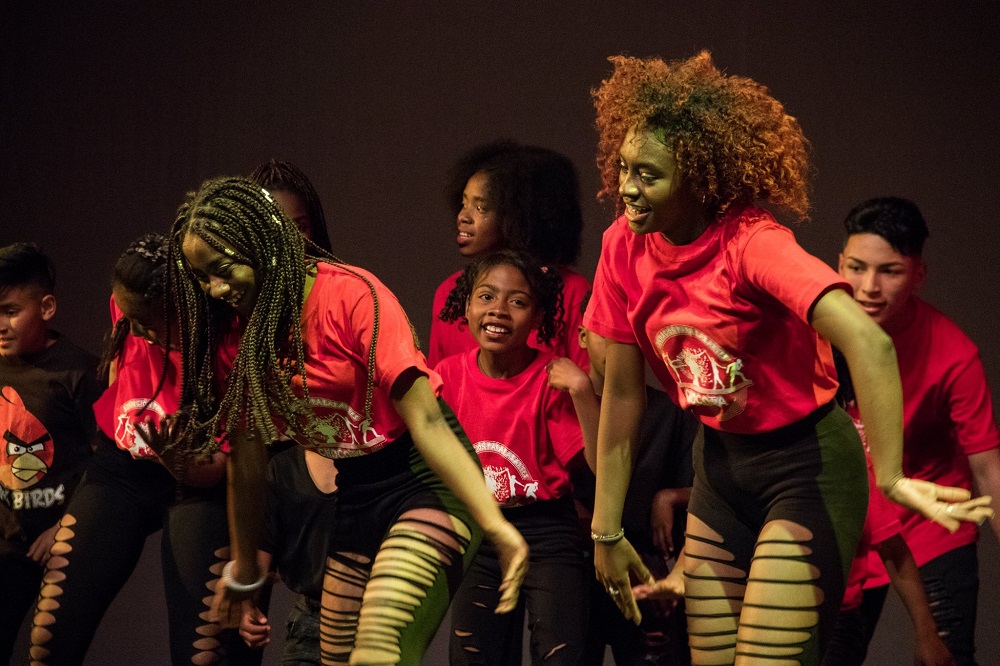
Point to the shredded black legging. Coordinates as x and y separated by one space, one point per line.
117 505
772 525
401 544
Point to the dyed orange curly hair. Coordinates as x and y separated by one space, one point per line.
732 141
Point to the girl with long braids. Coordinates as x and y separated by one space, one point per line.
736 321
506 196
528 440
297 197
133 488
329 359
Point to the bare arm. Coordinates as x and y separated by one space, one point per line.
246 509
622 405
871 358
565 375
986 477
448 459
905 577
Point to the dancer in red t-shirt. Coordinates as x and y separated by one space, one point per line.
528 439
524 198
328 358
950 435
291 190
133 487
736 321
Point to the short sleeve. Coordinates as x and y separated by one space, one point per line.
774 263
971 407
563 427
607 312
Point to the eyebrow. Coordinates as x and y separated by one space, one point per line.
495 288
865 263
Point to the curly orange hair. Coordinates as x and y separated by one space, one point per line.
732 141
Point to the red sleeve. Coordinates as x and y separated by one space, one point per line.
563 427
971 407
774 263
607 312
435 343
396 347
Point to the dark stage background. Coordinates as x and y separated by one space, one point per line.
110 111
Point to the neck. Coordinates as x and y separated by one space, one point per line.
905 318
692 224
505 365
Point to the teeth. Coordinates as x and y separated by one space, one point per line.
636 210
495 329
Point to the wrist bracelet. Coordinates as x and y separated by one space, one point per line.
608 538
231 584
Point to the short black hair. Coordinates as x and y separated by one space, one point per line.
896 220
24 265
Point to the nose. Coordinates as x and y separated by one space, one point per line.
870 282
626 187
464 215
215 288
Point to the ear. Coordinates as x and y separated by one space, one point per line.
581 337
919 273
840 263
48 305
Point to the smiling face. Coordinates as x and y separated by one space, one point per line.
221 275
655 196
24 316
478 223
501 311
884 280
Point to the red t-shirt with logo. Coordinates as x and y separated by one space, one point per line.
947 416
449 338
133 396
524 431
338 322
723 321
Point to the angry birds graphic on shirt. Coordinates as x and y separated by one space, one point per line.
27 445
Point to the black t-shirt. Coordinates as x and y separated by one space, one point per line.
299 519
47 431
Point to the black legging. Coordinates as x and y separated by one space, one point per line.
120 502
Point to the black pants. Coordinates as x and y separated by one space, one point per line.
120 502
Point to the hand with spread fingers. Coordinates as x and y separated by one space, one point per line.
513 550
614 562
944 505
159 438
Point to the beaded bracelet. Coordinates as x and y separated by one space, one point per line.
231 584
608 538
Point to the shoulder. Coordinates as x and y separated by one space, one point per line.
933 323
65 355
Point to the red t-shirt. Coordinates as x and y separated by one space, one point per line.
137 376
524 431
880 524
723 321
337 324
947 416
447 339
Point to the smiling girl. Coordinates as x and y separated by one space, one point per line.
736 321
528 438
328 358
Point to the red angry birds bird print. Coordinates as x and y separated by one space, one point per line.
27 446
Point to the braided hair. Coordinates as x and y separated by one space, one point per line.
141 270
279 176
241 220
545 283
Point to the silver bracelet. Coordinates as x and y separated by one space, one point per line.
608 538
231 584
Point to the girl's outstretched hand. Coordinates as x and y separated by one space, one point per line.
513 552
947 506
613 563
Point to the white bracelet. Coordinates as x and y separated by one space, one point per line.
608 538
230 582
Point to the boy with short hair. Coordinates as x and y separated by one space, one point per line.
47 429
949 432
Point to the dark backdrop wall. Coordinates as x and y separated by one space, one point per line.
110 111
